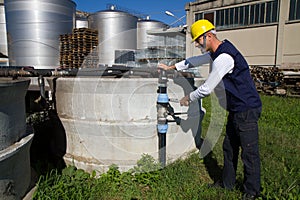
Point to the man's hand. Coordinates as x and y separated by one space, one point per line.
165 67
185 101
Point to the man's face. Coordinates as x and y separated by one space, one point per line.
199 42
204 42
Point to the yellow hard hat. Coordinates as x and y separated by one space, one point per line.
200 27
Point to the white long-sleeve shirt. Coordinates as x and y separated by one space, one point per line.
222 65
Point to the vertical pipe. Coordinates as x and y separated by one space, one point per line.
41 83
162 149
162 123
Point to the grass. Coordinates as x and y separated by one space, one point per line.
188 178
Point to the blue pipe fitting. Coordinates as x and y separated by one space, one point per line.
162 128
162 98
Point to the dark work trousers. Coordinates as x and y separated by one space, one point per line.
242 131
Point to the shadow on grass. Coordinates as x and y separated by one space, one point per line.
212 167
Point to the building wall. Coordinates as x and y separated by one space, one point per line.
263 44
291 45
258 45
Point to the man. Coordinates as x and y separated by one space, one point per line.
231 73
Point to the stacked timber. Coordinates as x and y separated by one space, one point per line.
277 81
79 49
266 78
292 82
65 57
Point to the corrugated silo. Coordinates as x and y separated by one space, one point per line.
33 29
116 31
3 38
142 27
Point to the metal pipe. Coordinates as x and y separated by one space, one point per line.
162 123
41 83
179 113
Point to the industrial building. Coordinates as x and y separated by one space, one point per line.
265 31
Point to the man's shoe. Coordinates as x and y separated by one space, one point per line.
249 197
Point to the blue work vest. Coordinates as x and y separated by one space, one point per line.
240 90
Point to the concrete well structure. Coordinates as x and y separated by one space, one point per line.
113 121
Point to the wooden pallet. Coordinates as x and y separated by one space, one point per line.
277 81
76 47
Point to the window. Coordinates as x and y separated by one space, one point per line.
252 14
231 17
262 14
226 17
198 16
210 16
236 15
259 13
274 15
294 10
220 18
246 16
271 12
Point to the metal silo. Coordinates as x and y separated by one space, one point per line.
116 30
33 29
142 27
3 38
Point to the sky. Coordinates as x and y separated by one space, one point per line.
154 8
